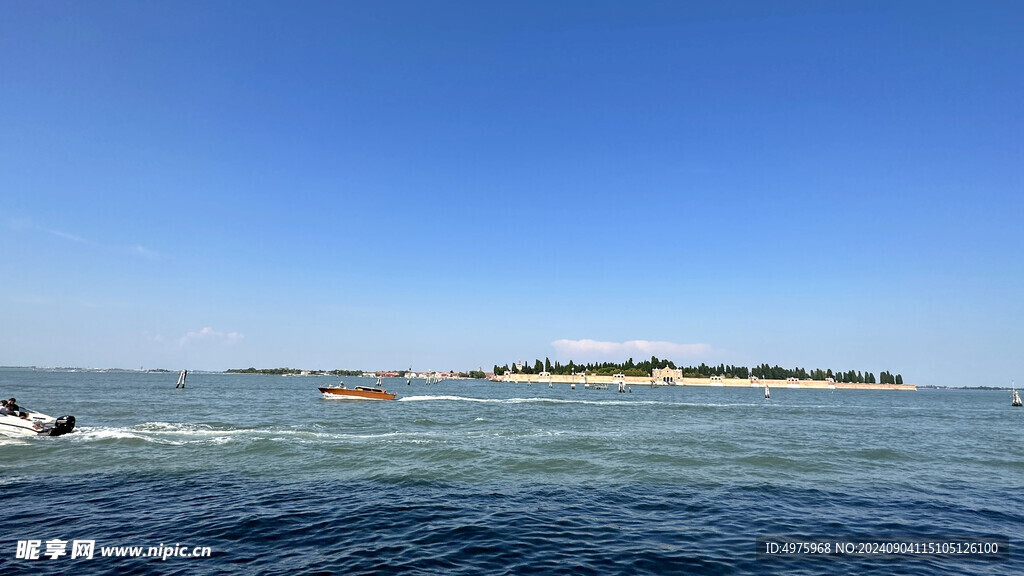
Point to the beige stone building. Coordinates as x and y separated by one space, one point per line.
667 375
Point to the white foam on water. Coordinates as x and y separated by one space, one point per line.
186 429
103 433
203 432
587 402
449 398
530 400
14 440
160 433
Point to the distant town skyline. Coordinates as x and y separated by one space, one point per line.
448 185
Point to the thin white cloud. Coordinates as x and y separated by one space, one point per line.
209 335
67 236
137 249
595 350
143 251
29 299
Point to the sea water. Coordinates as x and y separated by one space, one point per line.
261 475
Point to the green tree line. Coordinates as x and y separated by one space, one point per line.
283 371
644 368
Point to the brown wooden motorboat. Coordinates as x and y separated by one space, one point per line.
357 393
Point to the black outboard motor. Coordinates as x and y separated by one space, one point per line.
63 425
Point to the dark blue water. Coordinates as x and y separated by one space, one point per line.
477 478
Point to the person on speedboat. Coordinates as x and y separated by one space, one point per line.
10 407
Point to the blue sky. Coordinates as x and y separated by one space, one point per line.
446 185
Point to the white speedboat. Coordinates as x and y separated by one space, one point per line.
32 423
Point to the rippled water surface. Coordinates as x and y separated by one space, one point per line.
470 477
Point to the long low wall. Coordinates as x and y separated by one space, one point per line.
723 383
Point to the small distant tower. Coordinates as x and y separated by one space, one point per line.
519 365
